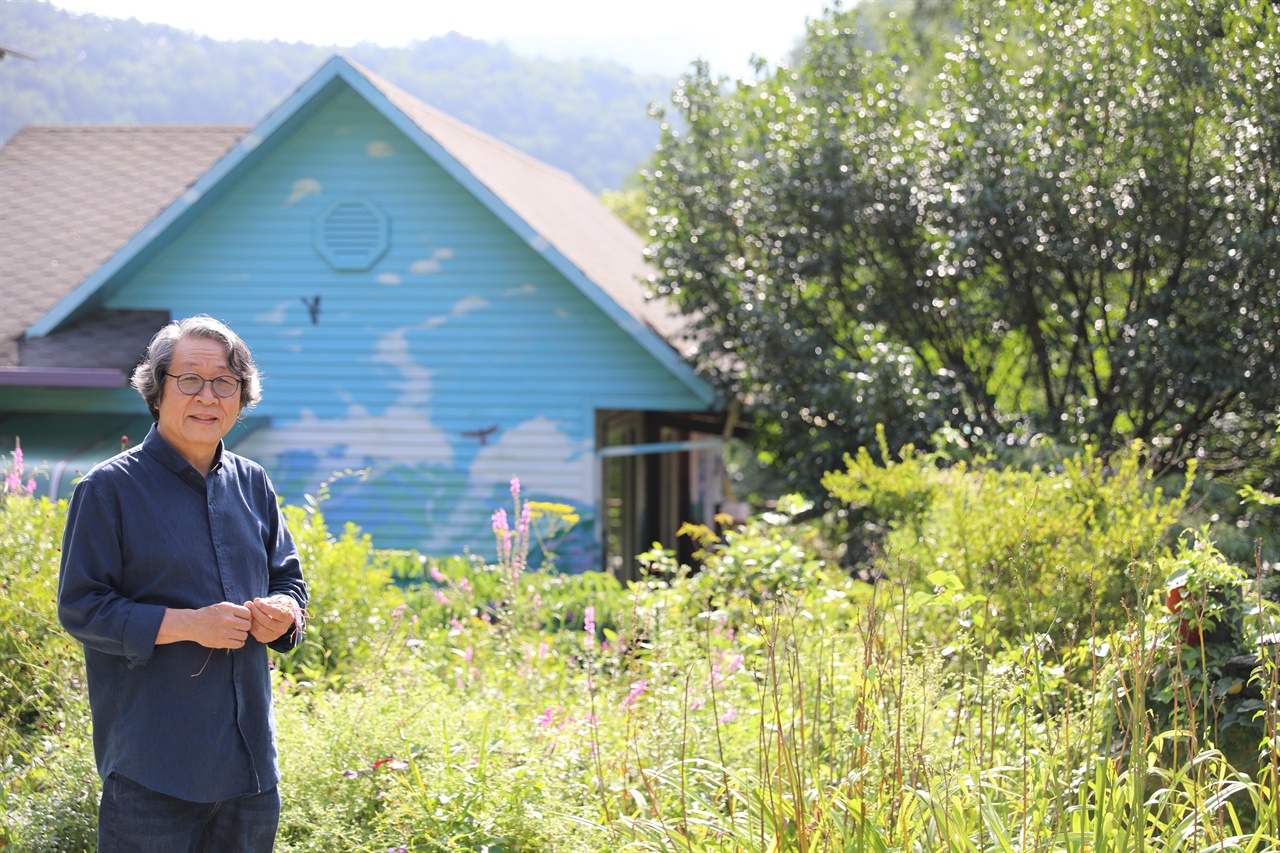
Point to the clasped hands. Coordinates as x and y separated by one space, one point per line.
228 626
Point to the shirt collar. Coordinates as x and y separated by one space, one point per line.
157 447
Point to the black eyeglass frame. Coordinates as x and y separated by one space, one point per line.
213 382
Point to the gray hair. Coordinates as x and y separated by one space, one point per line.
148 376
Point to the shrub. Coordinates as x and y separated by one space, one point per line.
48 783
1048 551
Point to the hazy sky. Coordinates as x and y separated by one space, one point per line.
647 35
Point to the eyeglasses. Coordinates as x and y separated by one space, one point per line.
192 384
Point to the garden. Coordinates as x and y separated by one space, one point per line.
961 654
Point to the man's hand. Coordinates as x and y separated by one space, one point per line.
271 617
219 626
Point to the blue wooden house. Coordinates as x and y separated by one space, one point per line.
429 307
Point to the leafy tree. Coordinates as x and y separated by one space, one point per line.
1071 228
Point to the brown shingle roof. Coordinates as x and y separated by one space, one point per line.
74 195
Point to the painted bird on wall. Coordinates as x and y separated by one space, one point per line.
313 308
482 434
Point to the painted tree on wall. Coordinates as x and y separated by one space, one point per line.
1070 228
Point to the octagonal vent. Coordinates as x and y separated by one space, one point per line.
352 235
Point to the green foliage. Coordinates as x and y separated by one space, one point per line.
351 591
47 776
766 560
589 118
1019 540
900 493
629 206
1045 236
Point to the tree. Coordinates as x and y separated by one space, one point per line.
1071 228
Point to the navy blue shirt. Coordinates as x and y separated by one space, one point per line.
146 532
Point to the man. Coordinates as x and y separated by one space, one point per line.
177 573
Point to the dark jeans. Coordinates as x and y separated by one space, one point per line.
133 819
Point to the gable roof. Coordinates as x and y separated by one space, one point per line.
74 195
546 207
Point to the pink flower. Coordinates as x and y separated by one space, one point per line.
398 612
589 626
436 575
464 585
31 486
515 487
442 598
537 601
729 717
637 690
499 519
526 515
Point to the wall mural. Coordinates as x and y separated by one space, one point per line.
413 483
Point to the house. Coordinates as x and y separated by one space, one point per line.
433 311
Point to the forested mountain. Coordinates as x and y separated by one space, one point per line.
588 117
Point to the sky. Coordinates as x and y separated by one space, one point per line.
659 36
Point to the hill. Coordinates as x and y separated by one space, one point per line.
588 117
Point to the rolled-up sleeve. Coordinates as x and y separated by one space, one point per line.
90 605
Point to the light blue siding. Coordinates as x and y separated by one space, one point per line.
459 328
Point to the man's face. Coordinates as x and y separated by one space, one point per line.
194 424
